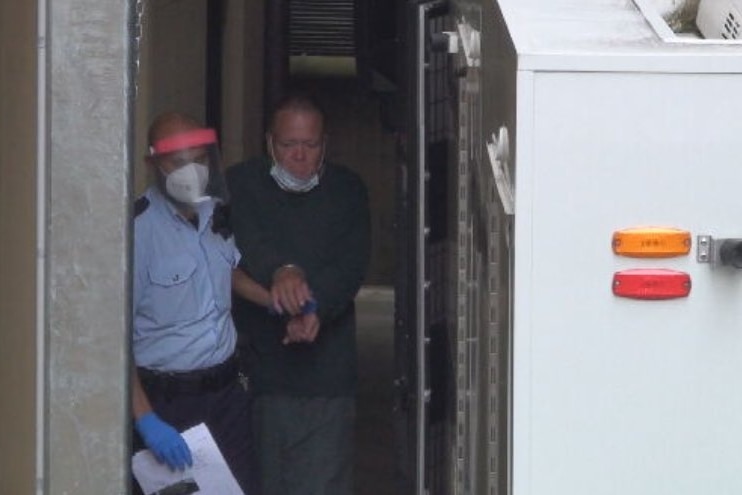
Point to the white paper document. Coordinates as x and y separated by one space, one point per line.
209 474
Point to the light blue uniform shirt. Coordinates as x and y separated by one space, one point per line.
182 289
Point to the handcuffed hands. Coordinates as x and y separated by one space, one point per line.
289 291
302 328
164 442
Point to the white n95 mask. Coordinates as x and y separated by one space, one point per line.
188 183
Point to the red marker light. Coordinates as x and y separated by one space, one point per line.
651 284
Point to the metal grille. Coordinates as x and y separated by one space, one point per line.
483 304
438 127
322 27
461 479
496 324
439 142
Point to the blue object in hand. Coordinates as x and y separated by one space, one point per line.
164 441
309 307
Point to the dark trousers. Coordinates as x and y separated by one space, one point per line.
226 412
305 445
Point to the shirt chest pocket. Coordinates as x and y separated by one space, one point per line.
222 261
173 295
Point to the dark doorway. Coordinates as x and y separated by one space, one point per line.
344 53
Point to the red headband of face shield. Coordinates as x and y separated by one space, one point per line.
183 141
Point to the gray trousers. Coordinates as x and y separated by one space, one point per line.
304 445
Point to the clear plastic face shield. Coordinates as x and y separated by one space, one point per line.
189 167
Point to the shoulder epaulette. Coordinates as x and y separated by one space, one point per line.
140 206
220 222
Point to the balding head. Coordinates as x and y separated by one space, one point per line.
297 103
170 123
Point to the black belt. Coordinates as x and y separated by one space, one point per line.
190 382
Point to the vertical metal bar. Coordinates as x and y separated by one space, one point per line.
462 299
41 219
509 233
134 57
421 206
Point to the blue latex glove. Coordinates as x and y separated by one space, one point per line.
164 441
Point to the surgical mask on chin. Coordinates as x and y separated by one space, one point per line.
188 183
289 182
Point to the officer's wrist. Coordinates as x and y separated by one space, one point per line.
146 422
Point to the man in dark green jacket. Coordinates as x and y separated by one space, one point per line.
303 228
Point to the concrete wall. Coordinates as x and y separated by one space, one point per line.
17 245
88 114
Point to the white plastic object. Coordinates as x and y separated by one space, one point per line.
453 41
470 40
720 19
499 155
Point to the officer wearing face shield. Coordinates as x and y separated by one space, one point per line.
302 225
185 269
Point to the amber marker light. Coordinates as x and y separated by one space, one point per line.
651 284
651 242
